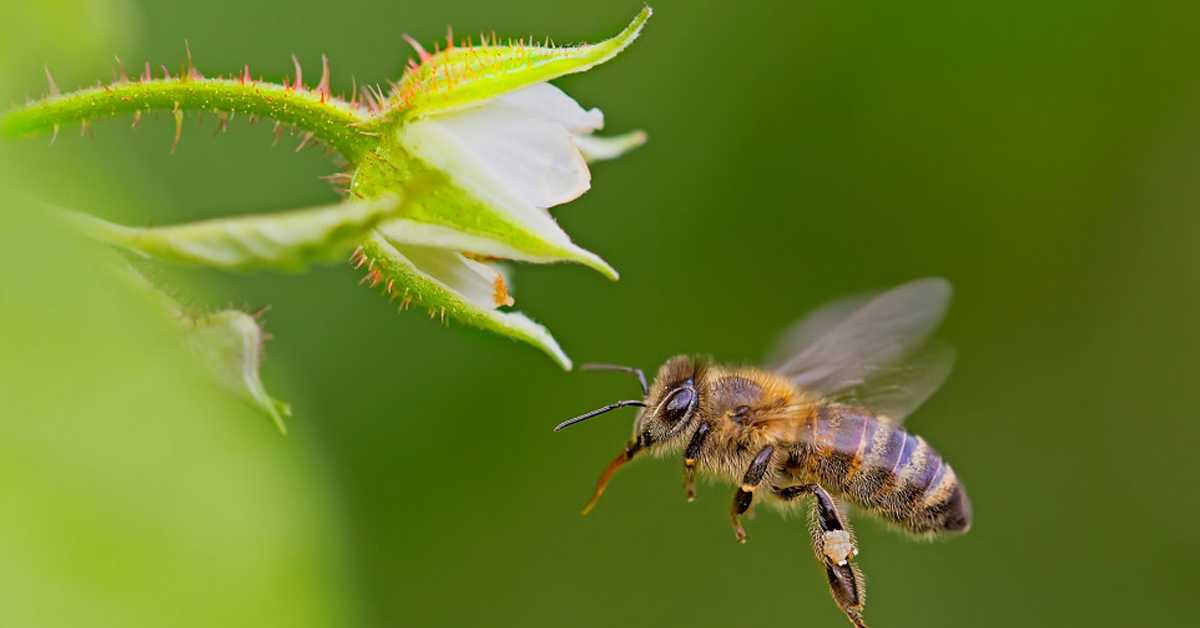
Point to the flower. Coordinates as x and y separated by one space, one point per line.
495 145
519 154
503 144
455 169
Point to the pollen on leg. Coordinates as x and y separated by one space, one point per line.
837 546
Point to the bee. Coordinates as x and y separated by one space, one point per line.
822 423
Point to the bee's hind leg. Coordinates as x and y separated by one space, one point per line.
833 543
745 494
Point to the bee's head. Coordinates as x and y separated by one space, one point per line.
667 409
671 403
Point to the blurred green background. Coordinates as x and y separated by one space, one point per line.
1042 156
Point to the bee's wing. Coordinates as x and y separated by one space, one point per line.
868 349
894 392
806 331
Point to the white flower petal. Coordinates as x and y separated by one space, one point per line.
516 154
426 234
417 286
503 155
476 282
596 148
547 102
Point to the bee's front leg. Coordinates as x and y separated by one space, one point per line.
690 455
833 543
745 494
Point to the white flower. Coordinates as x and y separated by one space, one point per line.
519 154
500 146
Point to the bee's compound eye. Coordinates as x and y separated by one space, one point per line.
679 404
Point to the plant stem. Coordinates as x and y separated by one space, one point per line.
329 119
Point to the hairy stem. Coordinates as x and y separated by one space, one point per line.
330 120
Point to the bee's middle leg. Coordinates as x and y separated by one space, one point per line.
833 543
690 455
745 494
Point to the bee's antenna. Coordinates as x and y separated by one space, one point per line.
595 366
598 411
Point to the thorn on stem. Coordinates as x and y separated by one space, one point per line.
323 86
299 84
190 68
122 77
416 45
178 127
50 79
304 141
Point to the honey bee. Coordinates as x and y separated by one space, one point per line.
823 421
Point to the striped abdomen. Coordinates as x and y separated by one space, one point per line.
878 466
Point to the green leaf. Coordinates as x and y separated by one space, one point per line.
281 241
139 487
229 343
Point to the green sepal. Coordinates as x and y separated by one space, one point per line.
446 215
387 266
287 241
462 75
